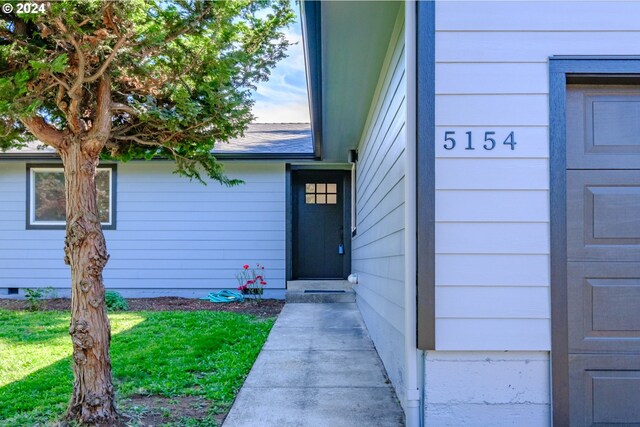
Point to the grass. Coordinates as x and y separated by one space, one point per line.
199 355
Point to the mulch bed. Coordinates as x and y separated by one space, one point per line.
266 307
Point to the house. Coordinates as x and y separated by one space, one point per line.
495 230
474 164
165 234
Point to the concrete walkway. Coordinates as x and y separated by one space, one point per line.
318 368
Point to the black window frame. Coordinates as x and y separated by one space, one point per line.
29 225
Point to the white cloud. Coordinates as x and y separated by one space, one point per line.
283 99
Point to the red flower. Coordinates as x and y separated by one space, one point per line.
246 266
250 282
263 283
259 278
242 288
262 267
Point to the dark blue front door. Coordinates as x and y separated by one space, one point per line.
320 232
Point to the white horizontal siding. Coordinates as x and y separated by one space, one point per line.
471 333
495 78
492 110
492 207
531 46
173 236
566 16
492 238
492 270
504 302
378 247
492 174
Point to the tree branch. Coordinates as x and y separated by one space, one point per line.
75 92
81 59
116 106
137 140
46 133
101 129
60 82
108 61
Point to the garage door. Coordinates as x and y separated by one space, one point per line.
603 254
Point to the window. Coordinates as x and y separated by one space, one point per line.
321 194
46 200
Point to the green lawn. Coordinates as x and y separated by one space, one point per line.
199 357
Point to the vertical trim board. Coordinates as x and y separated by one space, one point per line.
425 158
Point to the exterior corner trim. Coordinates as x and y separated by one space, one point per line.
425 163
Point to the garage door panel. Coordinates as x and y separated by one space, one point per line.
603 254
603 307
604 390
604 211
607 122
622 203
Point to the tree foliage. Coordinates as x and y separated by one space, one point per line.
179 73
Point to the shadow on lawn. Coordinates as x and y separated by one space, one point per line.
53 325
198 354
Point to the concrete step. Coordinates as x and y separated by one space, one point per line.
319 291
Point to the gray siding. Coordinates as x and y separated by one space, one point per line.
378 247
173 237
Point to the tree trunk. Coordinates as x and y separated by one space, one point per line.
86 252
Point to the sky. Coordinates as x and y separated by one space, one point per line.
283 99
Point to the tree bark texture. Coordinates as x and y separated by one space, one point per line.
92 401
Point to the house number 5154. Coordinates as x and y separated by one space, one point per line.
488 144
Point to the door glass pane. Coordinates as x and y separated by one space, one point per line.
310 199
310 188
332 188
332 199
321 199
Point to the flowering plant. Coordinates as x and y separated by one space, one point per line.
251 281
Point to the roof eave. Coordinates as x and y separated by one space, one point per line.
312 44
264 156
219 156
29 156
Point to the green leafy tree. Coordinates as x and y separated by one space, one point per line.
122 80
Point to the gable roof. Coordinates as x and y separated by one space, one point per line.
275 138
260 140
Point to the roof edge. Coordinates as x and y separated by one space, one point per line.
219 156
312 46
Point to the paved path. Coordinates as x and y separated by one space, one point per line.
318 369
